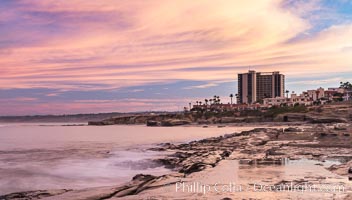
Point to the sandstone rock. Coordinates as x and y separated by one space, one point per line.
33 194
100 123
292 129
182 154
258 142
323 134
195 167
143 177
327 120
350 170
246 161
267 161
152 123
174 122
229 120
203 121
225 154
340 128
292 117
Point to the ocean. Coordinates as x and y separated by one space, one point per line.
57 156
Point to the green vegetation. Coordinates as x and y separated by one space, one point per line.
338 97
247 113
287 92
274 111
269 113
346 85
210 114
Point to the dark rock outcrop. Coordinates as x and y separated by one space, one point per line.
174 122
100 123
350 170
152 123
292 117
292 129
325 120
33 194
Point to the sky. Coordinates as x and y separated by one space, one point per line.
79 56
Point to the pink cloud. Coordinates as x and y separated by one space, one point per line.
168 36
112 44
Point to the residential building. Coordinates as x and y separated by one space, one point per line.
337 90
277 101
335 94
347 96
295 99
301 99
228 107
316 94
256 86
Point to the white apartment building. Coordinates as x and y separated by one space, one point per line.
301 100
295 99
277 101
316 94
338 90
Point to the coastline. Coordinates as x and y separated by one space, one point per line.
170 99
261 148
330 113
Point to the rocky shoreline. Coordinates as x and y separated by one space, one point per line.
258 147
341 113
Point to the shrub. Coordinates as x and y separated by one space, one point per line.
274 111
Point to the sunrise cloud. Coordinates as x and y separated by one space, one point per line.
83 45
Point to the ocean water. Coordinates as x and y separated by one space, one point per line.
53 156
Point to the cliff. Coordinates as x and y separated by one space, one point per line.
332 113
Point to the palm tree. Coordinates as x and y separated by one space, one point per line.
210 101
218 99
346 85
197 103
231 96
206 101
287 92
190 106
200 103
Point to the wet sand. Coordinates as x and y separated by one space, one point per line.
229 179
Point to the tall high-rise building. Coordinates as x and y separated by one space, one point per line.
255 86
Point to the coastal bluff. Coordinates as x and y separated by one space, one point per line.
330 113
148 119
